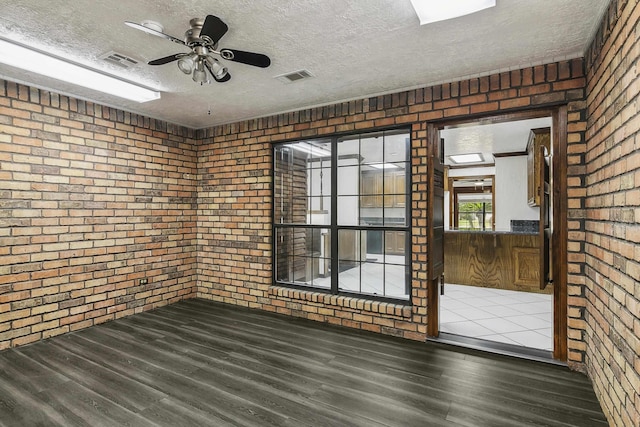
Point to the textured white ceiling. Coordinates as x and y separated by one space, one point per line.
490 139
353 48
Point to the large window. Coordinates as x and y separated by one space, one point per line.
341 214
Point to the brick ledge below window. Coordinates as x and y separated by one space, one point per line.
355 303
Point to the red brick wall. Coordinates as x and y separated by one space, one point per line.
234 189
612 211
92 200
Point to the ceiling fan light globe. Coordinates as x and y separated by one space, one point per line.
199 76
218 70
186 65
222 74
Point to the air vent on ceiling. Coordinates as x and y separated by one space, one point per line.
119 59
295 76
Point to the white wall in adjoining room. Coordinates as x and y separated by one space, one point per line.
511 192
510 188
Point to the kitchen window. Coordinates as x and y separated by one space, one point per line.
472 203
341 214
474 212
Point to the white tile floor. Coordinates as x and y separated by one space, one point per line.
518 318
372 277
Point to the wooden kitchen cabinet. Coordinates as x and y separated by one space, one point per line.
537 138
374 184
371 190
394 242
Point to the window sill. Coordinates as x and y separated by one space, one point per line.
349 302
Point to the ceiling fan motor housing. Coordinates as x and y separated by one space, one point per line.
192 35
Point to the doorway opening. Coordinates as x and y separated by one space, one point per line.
500 230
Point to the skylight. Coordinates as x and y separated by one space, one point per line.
466 158
440 10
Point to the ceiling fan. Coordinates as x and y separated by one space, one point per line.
203 38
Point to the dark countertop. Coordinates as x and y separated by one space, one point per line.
531 233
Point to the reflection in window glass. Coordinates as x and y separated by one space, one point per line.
372 148
372 278
395 246
371 202
380 179
350 245
303 256
347 205
302 183
396 148
348 147
348 176
395 280
349 276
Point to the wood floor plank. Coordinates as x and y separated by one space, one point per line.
28 374
197 362
19 407
186 385
378 408
174 412
117 388
90 408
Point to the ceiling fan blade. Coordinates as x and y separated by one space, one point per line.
154 32
167 59
213 28
249 58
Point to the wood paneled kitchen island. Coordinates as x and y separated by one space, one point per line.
493 259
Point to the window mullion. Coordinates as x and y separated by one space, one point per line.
334 215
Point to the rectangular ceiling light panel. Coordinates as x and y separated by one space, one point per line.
384 166
440 10
28 59
466 158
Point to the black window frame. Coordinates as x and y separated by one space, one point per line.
335 228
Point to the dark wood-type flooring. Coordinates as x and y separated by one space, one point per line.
198 363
